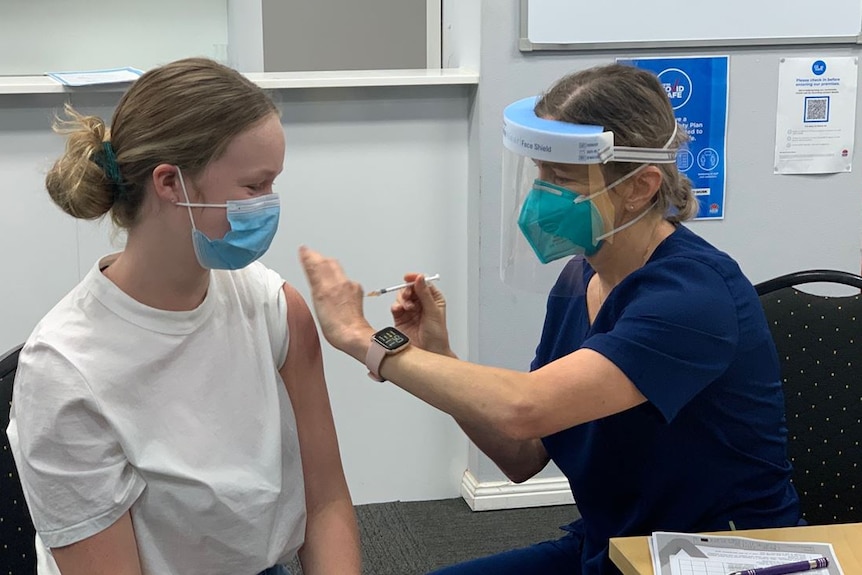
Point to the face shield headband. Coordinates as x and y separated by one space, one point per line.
528 135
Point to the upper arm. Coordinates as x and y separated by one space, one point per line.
331 535
577 388
112 551
303 377
677 333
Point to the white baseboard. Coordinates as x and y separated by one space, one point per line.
507 495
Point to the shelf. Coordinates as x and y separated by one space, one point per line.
274 80
359 78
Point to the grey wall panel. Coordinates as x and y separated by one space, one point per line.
305 35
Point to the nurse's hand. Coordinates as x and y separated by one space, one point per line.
337 303
419 312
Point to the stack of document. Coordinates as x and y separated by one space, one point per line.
693 554
96 77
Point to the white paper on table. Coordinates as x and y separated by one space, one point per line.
816 122
690 554
94 77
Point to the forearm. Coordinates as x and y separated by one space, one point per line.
519 460
331 540
478 395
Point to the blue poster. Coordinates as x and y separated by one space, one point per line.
697 89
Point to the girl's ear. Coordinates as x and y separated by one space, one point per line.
166 183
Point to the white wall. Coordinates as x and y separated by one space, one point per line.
376 177
53 35
774 224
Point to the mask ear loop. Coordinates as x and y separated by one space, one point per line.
187 203
616 182
667 144
624 178
625 225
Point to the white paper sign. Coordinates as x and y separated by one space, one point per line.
815 127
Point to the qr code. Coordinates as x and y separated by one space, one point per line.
817 109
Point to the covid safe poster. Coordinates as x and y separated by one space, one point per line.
697 90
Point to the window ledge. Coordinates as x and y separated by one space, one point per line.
273 80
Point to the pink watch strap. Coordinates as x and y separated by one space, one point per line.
373 359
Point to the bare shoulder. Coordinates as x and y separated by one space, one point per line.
304 339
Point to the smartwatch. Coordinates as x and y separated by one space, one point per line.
387 341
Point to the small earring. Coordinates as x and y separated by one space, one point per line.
631 207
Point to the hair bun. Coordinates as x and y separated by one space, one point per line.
77 183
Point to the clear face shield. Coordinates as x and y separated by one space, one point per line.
555 201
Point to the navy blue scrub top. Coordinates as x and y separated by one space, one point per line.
709 445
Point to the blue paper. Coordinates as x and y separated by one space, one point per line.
96 77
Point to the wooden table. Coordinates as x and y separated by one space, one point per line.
631 554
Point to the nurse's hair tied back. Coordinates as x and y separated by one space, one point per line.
631 103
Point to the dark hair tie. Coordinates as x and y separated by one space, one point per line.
107 160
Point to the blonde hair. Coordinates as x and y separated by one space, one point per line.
184 113
632 104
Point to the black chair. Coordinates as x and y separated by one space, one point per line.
819 342
17 536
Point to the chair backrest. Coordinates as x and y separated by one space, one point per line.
17 551
819 342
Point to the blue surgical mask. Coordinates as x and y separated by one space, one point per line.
558 222
253 223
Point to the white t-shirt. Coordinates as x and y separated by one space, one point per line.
180 417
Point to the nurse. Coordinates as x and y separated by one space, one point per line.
655 386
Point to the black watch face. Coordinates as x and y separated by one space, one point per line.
390 338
